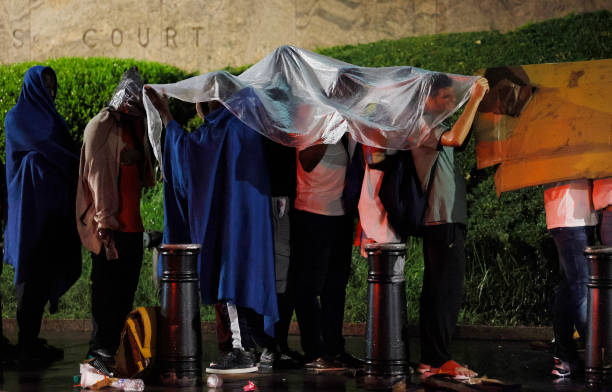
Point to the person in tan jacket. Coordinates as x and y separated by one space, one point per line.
115 165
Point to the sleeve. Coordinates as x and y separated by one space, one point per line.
102 140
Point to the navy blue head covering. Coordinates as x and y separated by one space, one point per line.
34 124
41 174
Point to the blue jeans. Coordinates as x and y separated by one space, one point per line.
570 302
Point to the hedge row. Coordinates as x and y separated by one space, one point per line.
512 261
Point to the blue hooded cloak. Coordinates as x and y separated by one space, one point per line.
41 174
217 194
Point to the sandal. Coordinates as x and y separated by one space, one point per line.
457 371
423 368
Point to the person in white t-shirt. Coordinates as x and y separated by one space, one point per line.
571 220
321 247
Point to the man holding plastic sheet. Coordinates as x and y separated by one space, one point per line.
217 193
445 225
115 166
41 240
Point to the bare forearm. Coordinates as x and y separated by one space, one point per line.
456 136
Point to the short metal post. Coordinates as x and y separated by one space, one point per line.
598 358
179 344
386 344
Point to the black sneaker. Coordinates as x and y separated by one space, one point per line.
234 362
38 353
289 359
102 360
267 361
8 351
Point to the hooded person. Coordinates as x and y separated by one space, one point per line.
115 166
217 194
41 241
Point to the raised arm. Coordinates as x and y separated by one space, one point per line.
456 136
161 104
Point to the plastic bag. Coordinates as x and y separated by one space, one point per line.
300 98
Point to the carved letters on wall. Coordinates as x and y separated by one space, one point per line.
142 36
192 34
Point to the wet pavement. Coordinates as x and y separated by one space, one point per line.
512 362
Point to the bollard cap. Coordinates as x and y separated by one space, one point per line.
179 248
598 250
385 246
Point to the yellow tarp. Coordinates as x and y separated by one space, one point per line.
563 131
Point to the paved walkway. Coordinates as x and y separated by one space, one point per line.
512 362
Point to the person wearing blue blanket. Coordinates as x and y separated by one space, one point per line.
41 240
217 194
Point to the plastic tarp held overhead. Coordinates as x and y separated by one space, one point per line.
546 123
300 98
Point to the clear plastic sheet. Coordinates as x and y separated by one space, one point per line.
127 97
300 98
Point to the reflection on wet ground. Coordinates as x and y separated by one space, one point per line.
512 362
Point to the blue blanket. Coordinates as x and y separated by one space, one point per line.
217 194
41 174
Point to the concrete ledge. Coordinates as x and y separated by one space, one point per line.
476 332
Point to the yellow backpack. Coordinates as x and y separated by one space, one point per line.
137 346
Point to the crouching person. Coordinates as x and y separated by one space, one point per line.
115 165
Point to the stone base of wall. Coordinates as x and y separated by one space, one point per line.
477 332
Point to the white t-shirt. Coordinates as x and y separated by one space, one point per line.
602 193
568 204
372 214
320 191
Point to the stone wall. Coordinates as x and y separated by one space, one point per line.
210 34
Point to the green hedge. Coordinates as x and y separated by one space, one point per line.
512 261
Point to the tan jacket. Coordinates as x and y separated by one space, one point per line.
97 202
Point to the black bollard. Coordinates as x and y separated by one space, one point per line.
386 344
598 358
179 343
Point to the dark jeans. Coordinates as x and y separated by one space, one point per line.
320 265
570 302
113 286
442 293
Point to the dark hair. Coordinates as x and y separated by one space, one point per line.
438 82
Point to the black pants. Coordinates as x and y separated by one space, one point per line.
442 294
32 296
286 307
244 325
113 286
320 266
